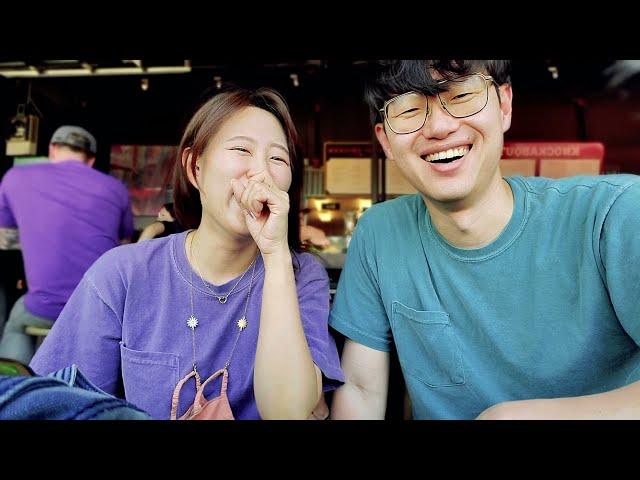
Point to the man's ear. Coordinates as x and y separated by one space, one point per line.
383 139
187 160
91 161
506 102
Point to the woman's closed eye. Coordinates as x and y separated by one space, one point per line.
280 159
240 149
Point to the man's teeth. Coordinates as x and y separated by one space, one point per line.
452 152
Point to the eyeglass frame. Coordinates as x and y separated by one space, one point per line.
385 118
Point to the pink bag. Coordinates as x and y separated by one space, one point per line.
217 408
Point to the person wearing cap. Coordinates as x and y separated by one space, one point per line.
67 214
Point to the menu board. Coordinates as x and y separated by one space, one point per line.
395 181
552 159
348 176
347 167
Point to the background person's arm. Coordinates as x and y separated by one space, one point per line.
152 231
9 239
364 393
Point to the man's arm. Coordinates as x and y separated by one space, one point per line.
9 239
620 404
364 393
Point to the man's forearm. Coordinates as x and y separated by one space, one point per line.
619 404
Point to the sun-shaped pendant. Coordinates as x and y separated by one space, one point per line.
192 323
242 323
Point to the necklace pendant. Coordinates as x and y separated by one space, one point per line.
242 323
222 299
192 322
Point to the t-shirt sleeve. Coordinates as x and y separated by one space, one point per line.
620 255
6 214
312 285
87 333
358 311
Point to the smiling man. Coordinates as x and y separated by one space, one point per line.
504 297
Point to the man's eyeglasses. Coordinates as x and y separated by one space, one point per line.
464 96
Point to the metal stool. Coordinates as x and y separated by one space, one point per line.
37 332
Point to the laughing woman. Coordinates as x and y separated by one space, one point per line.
225 320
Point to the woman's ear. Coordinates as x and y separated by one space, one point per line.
187 161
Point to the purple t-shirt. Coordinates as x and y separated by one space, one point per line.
128 317
68 214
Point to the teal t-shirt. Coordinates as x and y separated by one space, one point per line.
549 309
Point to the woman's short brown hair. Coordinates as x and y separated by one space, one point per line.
202 127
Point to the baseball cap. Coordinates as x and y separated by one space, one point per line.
76 137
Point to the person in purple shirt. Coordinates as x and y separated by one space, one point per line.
67 214
229 319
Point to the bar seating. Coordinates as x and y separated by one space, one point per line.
38 332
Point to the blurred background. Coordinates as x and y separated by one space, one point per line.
569 117
138 109
146 103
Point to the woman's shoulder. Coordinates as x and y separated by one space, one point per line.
133 257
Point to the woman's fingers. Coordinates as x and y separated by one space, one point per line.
254 197
238 188
254 193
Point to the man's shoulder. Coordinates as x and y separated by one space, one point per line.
389 225
592 195
19 171
105 185
106 178
580 183
400 209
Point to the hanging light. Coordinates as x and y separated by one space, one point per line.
294 79
144 84
554 71
218 81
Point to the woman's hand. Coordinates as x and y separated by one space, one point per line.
266 210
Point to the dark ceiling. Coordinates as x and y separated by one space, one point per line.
118 106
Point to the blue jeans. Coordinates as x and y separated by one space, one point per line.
64 395
15 343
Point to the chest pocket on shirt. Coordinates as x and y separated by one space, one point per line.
149 379
427 346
